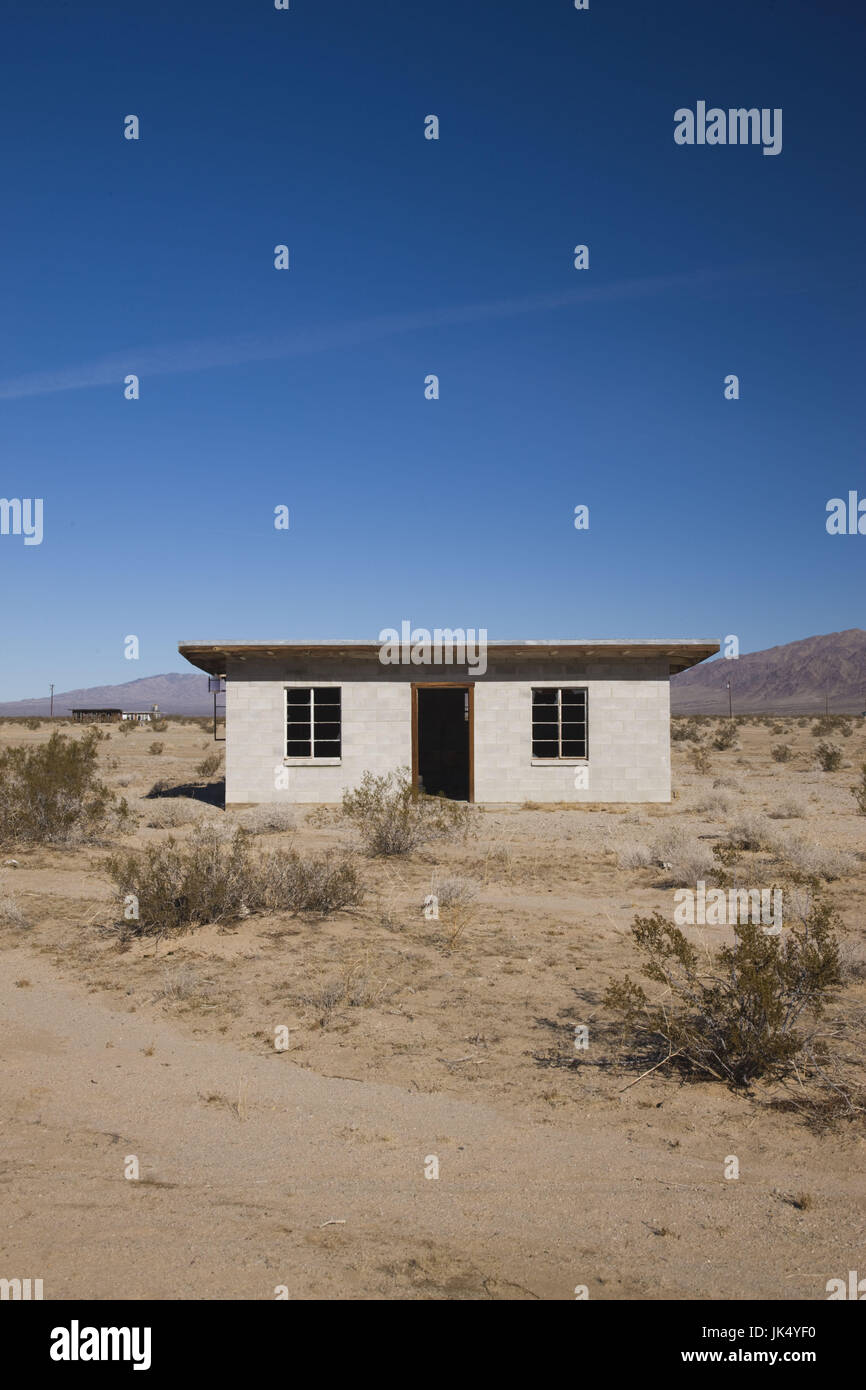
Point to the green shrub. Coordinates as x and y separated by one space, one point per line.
52 795
733 1016
393 817
829 756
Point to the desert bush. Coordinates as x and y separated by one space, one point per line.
683 730
737 1015
634 857
699 759
159 726
211 878
173 812
813 860
858 791
126 726
318 883
715 806
52 794
750 832
393 817
726 736
729 782
209 765
11 914
156 748
454 892
788 810
781 753
266 820
33 723
684 858
829 756
832 724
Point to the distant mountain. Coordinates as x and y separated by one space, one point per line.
794 678
799 677
175 692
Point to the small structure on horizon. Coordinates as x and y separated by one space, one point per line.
97 716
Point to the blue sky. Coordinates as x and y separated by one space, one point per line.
408 257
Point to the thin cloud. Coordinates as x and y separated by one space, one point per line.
203 354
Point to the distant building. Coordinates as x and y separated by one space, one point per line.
97 716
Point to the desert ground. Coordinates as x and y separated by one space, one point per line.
410 1039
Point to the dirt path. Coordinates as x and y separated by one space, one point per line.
243 1159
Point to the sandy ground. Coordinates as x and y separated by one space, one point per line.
407 1042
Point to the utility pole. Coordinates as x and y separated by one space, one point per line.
730 700
826 702
51 715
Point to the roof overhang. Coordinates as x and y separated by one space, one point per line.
214 657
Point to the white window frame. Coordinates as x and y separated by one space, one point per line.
559 760
310 760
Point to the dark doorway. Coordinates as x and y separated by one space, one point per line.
442 743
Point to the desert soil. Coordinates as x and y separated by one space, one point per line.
410 1039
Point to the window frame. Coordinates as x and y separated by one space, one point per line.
311 759
560 759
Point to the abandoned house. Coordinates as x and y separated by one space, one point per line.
534 721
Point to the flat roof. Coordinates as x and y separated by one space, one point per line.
682 653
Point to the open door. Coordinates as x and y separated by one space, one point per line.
442 740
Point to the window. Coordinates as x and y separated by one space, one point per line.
313 722
559 723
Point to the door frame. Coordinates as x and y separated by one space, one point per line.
444 685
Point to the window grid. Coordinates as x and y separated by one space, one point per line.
559 722
313 722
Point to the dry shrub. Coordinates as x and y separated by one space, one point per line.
266 820
736 1015
156 748
634 857
684 858
726 736
858 791
172 812
717 806
751 832
781 753
52 795
11 914
813 860
699 759
393 817
829 757
209 765
788 810
212 878
319 884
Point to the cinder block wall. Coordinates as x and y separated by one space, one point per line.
629 730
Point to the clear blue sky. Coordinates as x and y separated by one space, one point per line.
409 257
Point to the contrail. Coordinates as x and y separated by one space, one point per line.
201 354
